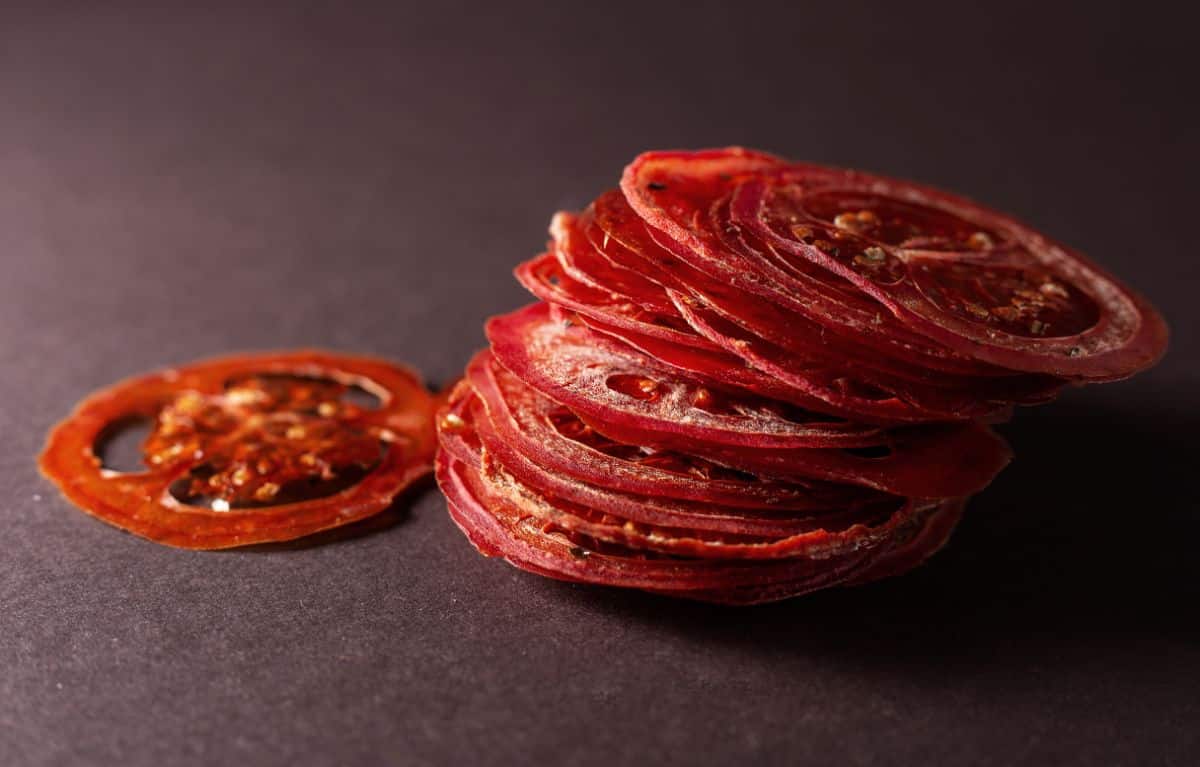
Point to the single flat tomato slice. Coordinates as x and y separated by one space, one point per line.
970 278
554 438
249 449
604 382
682 196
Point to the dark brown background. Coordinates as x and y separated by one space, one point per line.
179 184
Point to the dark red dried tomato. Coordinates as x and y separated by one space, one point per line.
478 435
544 277
753 379
650 524
838 243
500 526
600 379
833 373
679 196
249 449
554 438
861 392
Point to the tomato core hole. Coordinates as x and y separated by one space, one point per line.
119 446
637 387
361 398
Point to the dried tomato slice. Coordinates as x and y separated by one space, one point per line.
920 537
621 237
932 462
914 545
974 285
499 526
812 375
935 461
456 424
681 195
521 536
544 277
864 530
581 262
553 437
249 449
610 384
972 278
813 513
724 370
863 393
643 523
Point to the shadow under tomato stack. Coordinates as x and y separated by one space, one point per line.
747 379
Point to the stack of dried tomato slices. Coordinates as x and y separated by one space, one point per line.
748 379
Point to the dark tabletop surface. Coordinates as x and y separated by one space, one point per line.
181 184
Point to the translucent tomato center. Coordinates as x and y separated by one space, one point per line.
263 440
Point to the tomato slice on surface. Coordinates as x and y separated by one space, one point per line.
249 449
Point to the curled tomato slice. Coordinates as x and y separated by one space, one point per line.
249 449
606 381
964 289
